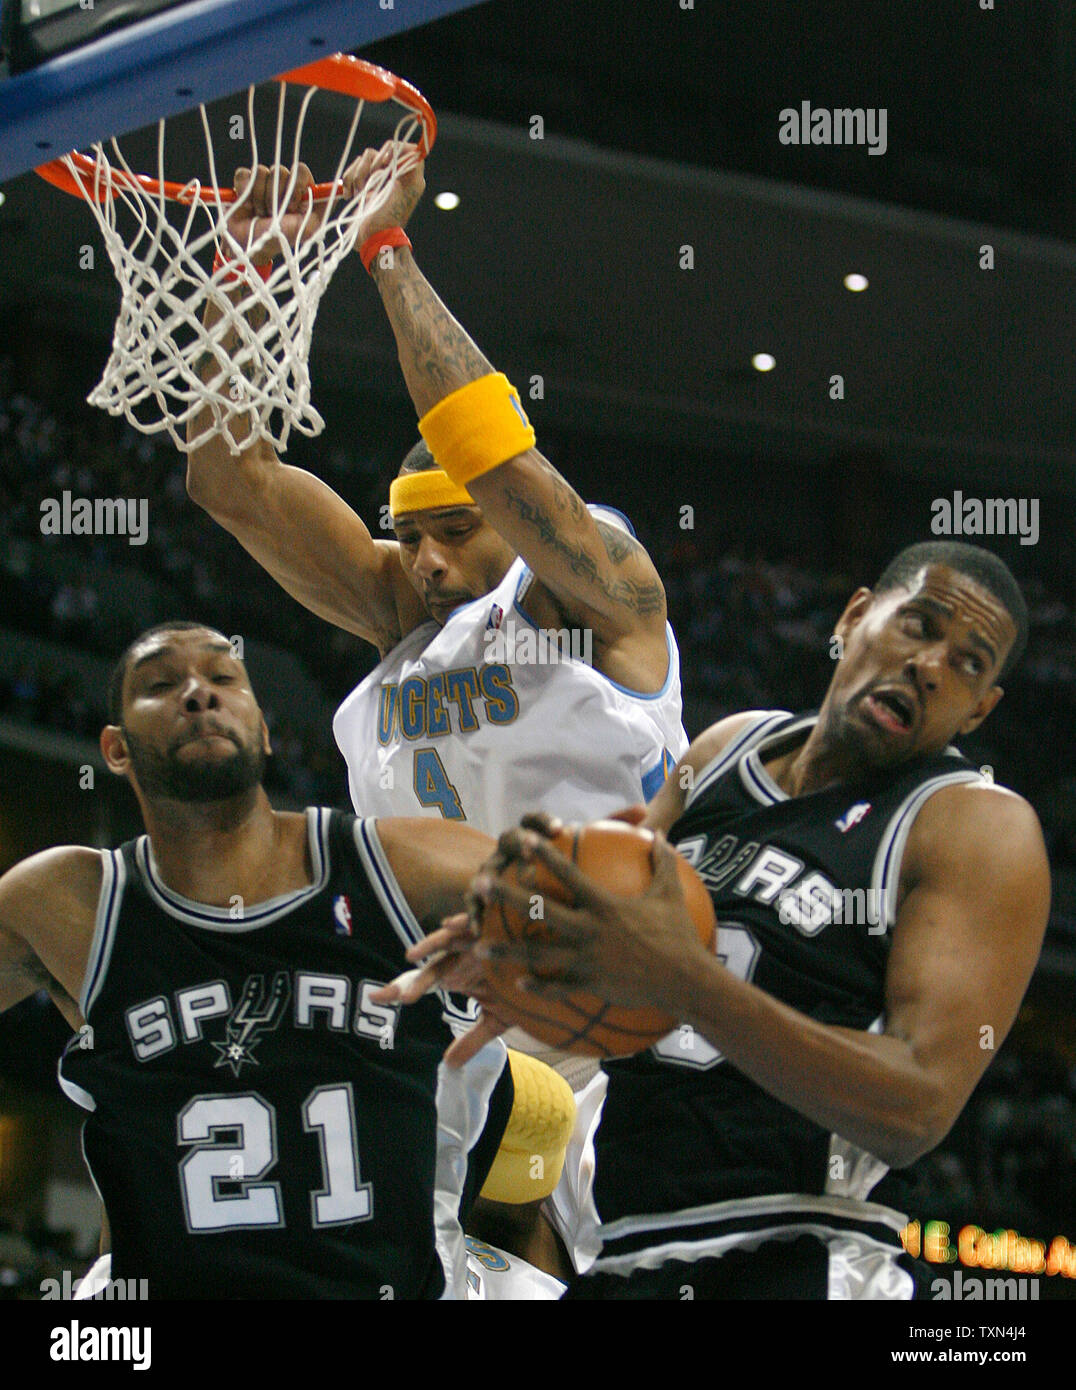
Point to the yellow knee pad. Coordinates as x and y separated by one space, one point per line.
529 1162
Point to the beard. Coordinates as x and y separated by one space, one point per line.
162 776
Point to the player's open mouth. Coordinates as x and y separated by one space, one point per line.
892 709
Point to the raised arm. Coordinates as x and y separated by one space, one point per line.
297 528
595 575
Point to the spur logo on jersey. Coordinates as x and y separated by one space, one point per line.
852 816
298 998
450 702
803 898
258 1011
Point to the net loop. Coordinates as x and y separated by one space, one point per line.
245 376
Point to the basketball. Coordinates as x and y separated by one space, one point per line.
616 856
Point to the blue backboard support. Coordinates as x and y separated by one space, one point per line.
176 59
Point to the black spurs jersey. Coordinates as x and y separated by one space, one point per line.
259 1127
693 1158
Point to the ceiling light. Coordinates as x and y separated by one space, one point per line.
447 201
856 283
763 362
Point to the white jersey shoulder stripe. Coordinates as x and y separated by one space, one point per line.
109 901
753 733
384 883
398 910
885 876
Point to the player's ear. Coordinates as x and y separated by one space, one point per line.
854 611
114 750
982 709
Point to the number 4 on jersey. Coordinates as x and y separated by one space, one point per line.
432 786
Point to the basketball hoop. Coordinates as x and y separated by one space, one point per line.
160 344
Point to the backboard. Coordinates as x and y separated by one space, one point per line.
172 59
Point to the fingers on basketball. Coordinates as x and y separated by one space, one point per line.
562 1012
666 865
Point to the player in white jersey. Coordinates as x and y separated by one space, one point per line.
526 656
477 711
533 717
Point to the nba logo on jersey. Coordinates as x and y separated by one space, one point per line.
852 817
342 914
496 616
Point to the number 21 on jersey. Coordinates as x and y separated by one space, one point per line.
235 1139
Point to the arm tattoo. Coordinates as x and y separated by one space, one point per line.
645 598
442 356
565 496
618 544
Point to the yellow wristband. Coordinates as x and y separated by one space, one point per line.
529 1162
419 492
477 428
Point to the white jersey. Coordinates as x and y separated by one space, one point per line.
493 1275
489 717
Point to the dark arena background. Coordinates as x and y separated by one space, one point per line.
631 232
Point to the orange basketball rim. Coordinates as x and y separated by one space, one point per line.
351 77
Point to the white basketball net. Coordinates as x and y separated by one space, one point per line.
163 268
